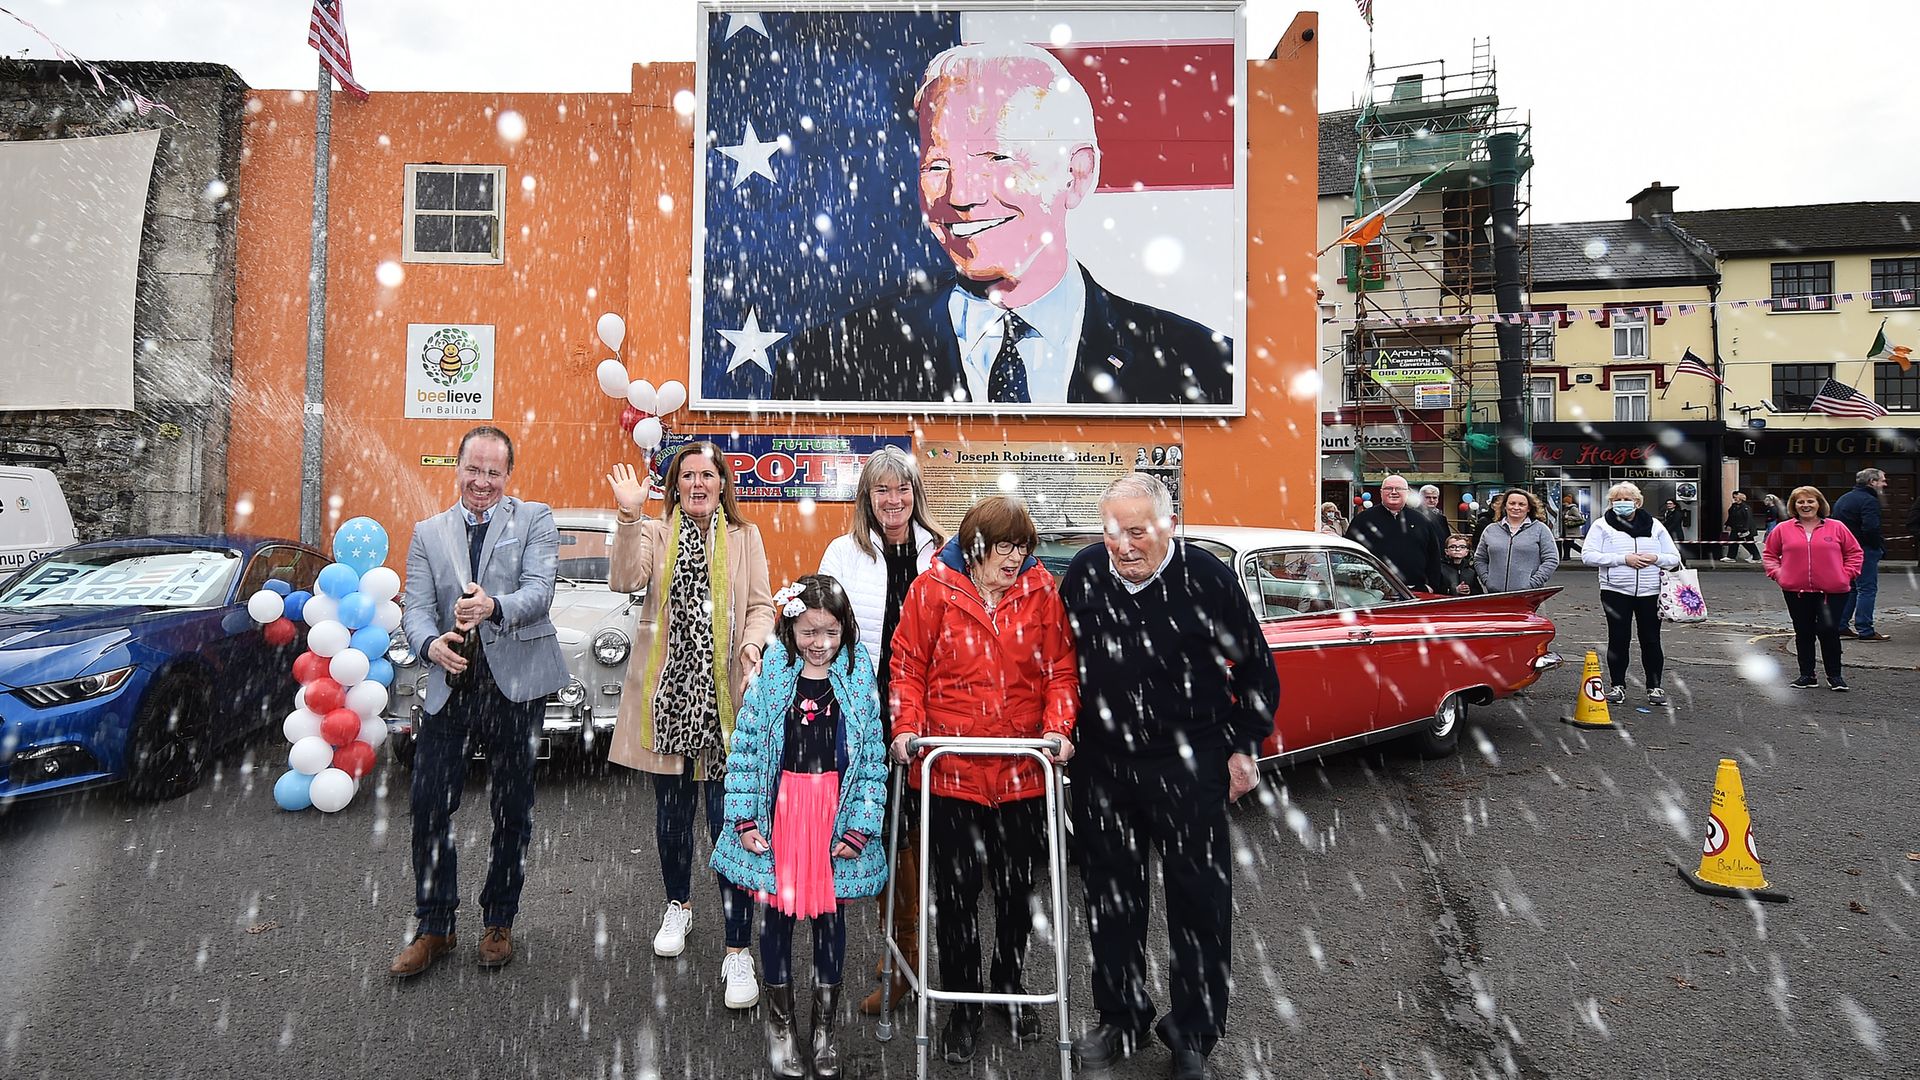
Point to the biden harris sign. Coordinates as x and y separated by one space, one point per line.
971 208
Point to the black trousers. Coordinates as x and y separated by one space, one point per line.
1623 612
1178 808
968 842
1816 615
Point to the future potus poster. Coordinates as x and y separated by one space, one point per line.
971 208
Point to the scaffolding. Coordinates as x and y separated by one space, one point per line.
1421 124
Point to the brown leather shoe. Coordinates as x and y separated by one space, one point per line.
496 947
420 954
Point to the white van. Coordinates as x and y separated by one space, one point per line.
34 519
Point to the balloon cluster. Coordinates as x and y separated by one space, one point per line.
1470 506
646 404
336 726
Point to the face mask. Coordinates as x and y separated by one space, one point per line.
1623 508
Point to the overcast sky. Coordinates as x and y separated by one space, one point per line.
1738 103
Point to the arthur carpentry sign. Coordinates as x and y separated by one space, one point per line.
1410 365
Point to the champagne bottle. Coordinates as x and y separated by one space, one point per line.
468 649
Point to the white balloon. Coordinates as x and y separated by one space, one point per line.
322 608
612 330
266 606
613 378
300 698
387 616
328 638
349 666
380 583
647 433
673 394
373 729
366 697
301 723
310 755
332 790
641 395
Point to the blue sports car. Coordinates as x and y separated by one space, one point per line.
134 659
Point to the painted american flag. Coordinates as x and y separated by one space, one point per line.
1838 399
327 33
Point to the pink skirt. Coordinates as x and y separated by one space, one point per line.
803 843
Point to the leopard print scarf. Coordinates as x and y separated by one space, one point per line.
686 699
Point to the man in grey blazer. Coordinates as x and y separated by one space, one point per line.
488 563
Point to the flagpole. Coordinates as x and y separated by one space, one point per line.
313 415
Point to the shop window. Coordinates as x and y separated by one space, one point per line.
1794 283
454 213
1632 396
1794 385
1629 335
1540 391
1896 390
1896 274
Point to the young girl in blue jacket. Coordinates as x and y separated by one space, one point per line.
806 788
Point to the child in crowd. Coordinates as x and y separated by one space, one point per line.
1457 576
806 787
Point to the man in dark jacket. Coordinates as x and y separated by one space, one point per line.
1177 692
1859 511
1676 518
1739 528
1404 538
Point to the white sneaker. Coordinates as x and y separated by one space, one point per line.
743 990
672 938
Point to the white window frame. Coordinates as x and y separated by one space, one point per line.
1623 397
1535 413
495 257
1540 341
1623 331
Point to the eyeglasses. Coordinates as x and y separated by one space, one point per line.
1008 547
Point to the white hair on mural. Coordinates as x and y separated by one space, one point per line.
1052 108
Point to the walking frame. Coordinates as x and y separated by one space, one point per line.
935 748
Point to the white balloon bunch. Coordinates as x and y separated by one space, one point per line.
646 403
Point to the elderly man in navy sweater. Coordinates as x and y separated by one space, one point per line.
1177 691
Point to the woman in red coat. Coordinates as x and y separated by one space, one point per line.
983 651
1814 560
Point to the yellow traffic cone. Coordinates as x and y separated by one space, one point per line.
1590 706
1729 865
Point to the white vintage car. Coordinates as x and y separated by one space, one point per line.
595 628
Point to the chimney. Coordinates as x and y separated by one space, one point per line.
1654 203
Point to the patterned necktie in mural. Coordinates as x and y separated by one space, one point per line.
1008 379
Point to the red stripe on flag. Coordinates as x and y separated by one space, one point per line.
1163 112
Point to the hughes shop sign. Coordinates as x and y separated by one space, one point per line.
449 372
788 468
1410 365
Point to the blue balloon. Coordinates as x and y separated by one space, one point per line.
356 610
281 587
372 640
293 791
380 670
339 580
361 543
297 603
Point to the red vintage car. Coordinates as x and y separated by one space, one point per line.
1361 657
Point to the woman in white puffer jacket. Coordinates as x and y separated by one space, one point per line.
1631 548
889 543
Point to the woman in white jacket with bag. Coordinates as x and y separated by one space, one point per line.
1631 548
889 543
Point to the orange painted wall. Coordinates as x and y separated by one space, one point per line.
607 226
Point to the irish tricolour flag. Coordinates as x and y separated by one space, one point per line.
1882 350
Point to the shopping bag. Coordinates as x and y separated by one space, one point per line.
1680 599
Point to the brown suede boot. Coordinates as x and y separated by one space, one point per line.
420 954
496 947
906 925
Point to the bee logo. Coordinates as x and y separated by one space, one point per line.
451 356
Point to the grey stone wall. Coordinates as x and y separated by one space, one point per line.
162 467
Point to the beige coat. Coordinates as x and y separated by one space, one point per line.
639 562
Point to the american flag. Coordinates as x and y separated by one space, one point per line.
1838 399
327 32
1693 365
1366 11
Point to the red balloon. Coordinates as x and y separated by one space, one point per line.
339 727
309 667
355 759
1357 500
630 416
324 695
279 632
1466 508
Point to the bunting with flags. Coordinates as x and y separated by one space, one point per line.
1883 350
1838 399
327 33
1693 365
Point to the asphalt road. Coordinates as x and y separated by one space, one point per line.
1509 911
